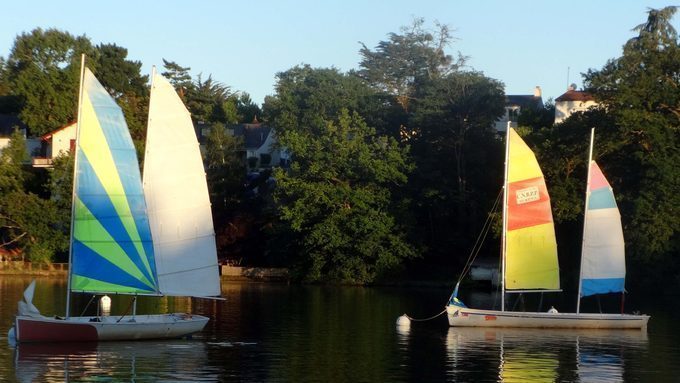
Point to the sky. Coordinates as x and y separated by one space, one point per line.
244 44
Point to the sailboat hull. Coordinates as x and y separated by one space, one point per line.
84 329
467 317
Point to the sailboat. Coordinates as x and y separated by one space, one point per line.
529 249
151 239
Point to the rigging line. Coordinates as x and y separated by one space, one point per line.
426 319
476 248
87 305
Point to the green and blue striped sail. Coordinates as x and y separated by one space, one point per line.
111 248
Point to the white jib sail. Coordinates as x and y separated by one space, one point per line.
177 199
603 257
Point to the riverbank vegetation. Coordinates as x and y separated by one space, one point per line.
394 166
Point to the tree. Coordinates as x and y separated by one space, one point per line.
306 98
178 76
43 71
248 111
60 186
337 200
458 158
636 145
641 89
225 167
26 220
397 66
12 174
124 81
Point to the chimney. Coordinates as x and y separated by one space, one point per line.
537 92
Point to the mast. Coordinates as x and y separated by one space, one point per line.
505 213
585 221
75 180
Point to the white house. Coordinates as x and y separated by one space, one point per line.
55 143
259 142
8 123
571 102
514 105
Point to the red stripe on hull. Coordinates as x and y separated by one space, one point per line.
36 330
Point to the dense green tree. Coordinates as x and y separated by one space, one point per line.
248 110
306 98
12 174
641 90
178 76
398 65
43 71
537 118
4 84
119 75
636 144
225 167
26 220
336 198
206 100
458 158
60 186
124 81
447 116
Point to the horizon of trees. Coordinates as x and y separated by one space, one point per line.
395 165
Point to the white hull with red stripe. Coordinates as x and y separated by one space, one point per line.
84 329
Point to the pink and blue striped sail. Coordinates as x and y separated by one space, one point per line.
111 242
603 256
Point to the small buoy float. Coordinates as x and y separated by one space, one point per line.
105 303
403 321
11 337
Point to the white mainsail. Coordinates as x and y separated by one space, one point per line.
177 199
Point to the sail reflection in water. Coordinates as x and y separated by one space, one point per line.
516 355
113 361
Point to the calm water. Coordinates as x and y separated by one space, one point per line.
281 333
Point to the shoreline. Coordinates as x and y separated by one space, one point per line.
227 274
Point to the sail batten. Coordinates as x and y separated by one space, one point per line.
530 245
179 206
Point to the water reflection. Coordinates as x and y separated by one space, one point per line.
521 355
113 361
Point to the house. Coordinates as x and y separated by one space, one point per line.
8 123
571 102
261 151
260 145
54 144
514 104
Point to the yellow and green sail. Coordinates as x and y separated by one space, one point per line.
530 246
111 241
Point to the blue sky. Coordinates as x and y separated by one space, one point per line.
522 43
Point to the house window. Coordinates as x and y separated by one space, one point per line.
265 159
513 114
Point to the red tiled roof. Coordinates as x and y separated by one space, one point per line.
49 135
575 95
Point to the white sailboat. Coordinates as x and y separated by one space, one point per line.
529 250
116 248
